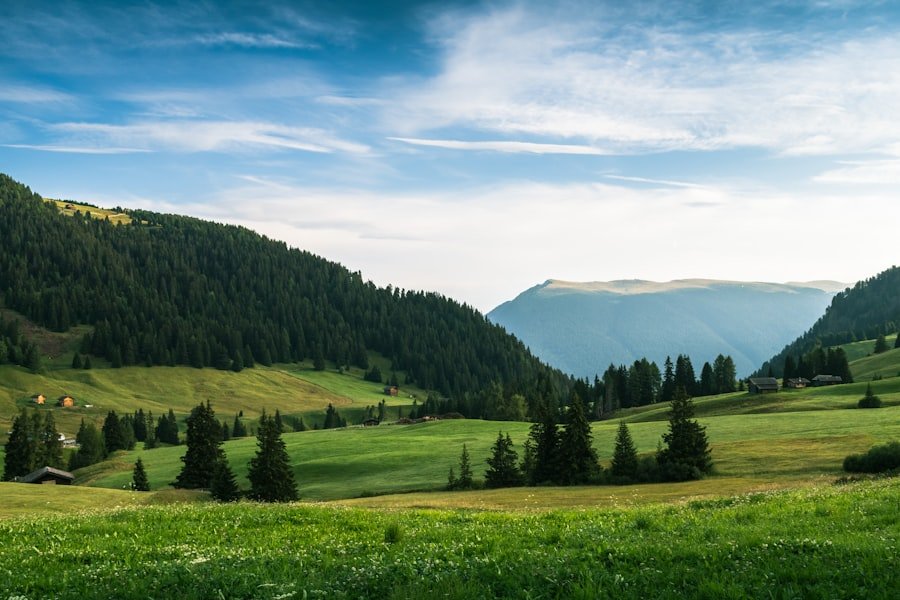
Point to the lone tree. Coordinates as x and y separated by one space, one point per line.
870 400
203 439
223 486
20 451
503 469
686 455
139 482
880 344
578 460
542 460
270 474
464 481
624 460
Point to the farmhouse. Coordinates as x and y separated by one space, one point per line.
38 399
391 390
66 401
48 475
797 383
820 380
763 385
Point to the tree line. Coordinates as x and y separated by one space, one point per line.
170 290
817 361
565 456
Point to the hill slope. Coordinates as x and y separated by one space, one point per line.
583 327
171 290
870 308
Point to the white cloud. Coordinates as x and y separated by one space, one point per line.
504 146
76 149
485 244
656 88
863 172
30 95
250 40
206 136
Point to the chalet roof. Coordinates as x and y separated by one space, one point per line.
827 378
764 381
799 380
35 475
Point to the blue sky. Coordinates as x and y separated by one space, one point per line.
479 148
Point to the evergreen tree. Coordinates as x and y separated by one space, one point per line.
503 468
18 459
465 481
790 368
113 433
270 474
686 455
452 481
91 447
139 482
625 459
238 430
223 486
668 383
880 344
50 447
87 363
870 400
279 424
203 439
544 436
684 374
226 431
707 381
578 460
77 363
897 341
139 425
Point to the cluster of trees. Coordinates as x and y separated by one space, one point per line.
15 348
33 443
868 309
175 290
565 456
206 466
817 361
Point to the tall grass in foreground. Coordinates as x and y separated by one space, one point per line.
829 542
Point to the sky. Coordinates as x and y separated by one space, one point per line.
478 148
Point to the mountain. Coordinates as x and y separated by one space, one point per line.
581 328
868 309
165 290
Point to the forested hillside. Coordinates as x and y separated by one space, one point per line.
169 290
868 309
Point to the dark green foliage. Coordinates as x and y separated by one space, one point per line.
167 429
77 363
87 364
91 448
625 458
465 480
177 290
333 419
503 468
139 481
374 375
544 436
203 440
19 458
668 383
878 459
49 449
238 430
226 432
270 474
686 455
870 400
880 344
897 341
113 433
223 485
577 458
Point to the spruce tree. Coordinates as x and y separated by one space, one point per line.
18 459
223 486
452 481
270 474
464 481
544 436
113 434
77 363
578 460
203 439
238 430
503 468
139 482
870 400
668 383
625 459
50 447
686 455
91 448
880 344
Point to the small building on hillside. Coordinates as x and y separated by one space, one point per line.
48 476
820 380
391 390
371 422
38 399
797 383
66 401
763 385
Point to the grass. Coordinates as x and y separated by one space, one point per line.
68 207
886 364
822 542
861 349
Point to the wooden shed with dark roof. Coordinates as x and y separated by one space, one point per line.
763 385
48 475
820 380
797 383
66 401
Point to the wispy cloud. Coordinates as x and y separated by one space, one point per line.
863 172
76 149
651 181
251 40
28 94
206 136
504 146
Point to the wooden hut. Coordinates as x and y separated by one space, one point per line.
797 383
820 380
763 385
39 399
66 401
391 390
48 475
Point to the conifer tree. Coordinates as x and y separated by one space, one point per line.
87 363
77 363
50 447
203 439
578 460
897 341
464 481
503 468
668 383
270 474
139 482
18 459
113 434
870 400
91 448
238 430
223 486
452 481
686 455
544 436
625 459
880 344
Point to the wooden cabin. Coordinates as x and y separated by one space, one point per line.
797 383
820 380
391 390
39 399
48 476
66 401
763 385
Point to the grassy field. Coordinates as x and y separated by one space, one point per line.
68 207
823 542
861 349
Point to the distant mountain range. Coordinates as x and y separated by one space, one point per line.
581 328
